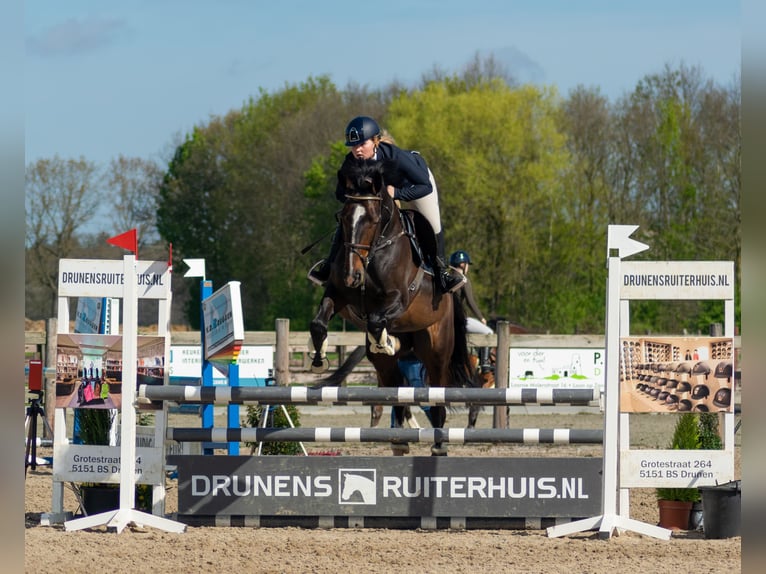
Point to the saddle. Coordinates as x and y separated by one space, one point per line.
417 228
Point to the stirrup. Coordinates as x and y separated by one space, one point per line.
315 273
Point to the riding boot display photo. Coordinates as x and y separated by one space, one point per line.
320 271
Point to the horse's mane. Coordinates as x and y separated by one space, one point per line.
368 176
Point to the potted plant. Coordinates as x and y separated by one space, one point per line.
95 426
97 497
675 504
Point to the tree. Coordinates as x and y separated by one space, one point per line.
133 185
60 196
497 157
235 195
679 141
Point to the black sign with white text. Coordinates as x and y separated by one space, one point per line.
388 486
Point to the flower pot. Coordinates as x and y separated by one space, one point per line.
722 510
674 514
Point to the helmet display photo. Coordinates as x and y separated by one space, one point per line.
360 129
459 257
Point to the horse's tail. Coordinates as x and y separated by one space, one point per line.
461 371
336 379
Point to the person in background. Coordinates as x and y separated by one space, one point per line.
418 192
475 321
413 371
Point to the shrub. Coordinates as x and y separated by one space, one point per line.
277 419
686 436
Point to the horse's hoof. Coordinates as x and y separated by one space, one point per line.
439 451
321 367
400 449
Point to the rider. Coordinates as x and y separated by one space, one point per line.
460 261
363 136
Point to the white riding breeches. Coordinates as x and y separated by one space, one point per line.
473 325
428 206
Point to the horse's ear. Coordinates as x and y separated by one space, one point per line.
391 172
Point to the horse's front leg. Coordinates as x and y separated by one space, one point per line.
380 340
318 329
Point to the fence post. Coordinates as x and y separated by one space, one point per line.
49 401
500 416
282 353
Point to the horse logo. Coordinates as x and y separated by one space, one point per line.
357 486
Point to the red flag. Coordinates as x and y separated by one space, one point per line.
127 240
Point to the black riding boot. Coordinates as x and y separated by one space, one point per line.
320 271
484 362
449 279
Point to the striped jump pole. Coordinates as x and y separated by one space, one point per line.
359 434
280 395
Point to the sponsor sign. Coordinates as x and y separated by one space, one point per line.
677 280
88 315
224 328
105 278
676 374
675 468
391 487
90 463
145 438
557 368
255 364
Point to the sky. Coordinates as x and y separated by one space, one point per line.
131 78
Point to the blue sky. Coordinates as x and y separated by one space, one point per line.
109 78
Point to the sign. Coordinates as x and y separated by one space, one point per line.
255 365
385 486
675 468
88 315
557 368
145 438
676 374
105 278
91 463
677 280
224 328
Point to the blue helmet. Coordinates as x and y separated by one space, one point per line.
360 129
459 257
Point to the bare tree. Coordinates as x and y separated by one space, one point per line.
133 185
60 197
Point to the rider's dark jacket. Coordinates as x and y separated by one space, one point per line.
412 167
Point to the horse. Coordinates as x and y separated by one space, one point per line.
378 282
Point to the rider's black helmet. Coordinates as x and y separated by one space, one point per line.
360 129
459 257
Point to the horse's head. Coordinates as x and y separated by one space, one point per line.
365 214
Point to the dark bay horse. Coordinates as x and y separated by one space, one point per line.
378 284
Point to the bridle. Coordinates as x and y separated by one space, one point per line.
380 241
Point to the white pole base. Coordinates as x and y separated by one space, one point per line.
119 519
606 524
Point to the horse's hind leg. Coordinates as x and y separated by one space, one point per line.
318 330
438 418
473 415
